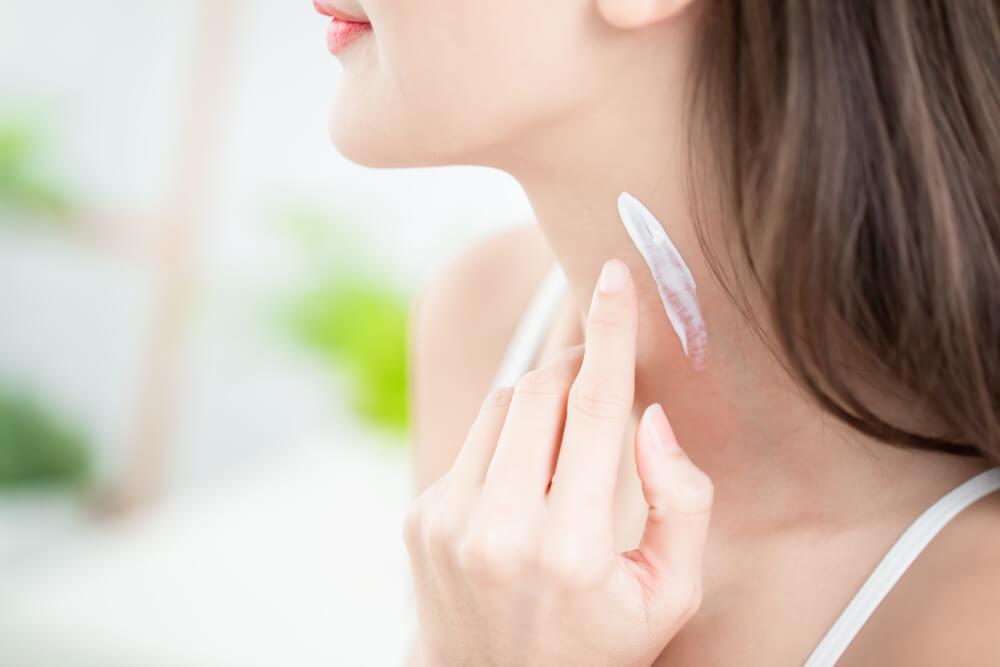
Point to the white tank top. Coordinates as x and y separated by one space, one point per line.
520 357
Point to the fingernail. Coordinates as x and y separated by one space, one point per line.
613 276
659 431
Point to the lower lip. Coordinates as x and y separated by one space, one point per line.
342 33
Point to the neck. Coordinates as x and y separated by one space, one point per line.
775 457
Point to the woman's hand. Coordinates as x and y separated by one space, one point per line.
512 550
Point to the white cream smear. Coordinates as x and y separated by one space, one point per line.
670 273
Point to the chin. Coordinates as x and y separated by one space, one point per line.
374 132
366 141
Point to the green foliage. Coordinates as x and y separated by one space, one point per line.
360 329
25 184
352 317
36 449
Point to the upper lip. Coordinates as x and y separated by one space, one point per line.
326 7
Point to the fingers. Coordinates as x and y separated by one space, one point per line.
477 517
525 454
438 517
470 466
679 496
599 402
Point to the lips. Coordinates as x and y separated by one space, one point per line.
344 28
327 8
341 33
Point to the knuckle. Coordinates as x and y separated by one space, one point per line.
441 530
498 398
564 359
697 597
573 353
566 564
413 525
418 512
694 493
492 557
598 397
688 598
540 383
472 557
603 323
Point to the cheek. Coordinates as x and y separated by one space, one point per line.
444 79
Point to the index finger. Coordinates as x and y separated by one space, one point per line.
599 402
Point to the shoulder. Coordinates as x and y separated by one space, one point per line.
484 269
461 322
946 609
963 610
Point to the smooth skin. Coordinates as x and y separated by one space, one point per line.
767 599
513 549
579 100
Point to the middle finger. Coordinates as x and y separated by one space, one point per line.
525 454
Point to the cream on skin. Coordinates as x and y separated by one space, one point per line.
671 274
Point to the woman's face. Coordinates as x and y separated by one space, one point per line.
461 81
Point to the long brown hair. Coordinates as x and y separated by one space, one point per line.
857 143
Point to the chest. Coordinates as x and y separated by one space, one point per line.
770 602
765 606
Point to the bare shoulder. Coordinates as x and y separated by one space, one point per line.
962 619
945 610
460 324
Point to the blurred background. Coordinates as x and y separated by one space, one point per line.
203 317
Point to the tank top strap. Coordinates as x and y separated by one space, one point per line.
530 332
896 561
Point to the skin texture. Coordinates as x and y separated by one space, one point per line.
580 100
513 549
416 94
768 599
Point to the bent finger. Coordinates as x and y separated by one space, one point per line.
469 468
679 496
524 460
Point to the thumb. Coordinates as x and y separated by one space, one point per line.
679 496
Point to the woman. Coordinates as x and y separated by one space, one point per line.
830 174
